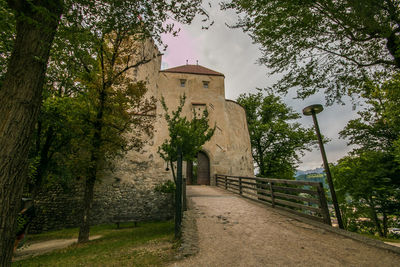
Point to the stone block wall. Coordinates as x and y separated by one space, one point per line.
57 208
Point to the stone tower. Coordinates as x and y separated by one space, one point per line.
228 151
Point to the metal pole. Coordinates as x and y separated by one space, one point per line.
184 205
328 172
178 195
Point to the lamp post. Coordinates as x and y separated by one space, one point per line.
313 110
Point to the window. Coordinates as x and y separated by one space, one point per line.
205 84
183 82
199 108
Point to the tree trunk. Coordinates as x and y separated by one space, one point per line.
20 98
376 219
43 162
260 159
84 227
393 45
385 224
173 171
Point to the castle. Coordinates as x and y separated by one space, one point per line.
129 189
228 151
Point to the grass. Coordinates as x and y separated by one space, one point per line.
149 244
383 239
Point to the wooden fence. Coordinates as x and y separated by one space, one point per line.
300 197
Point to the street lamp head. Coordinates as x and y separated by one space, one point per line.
317 108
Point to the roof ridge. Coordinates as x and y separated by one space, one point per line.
193 69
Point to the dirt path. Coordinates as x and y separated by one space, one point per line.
237 232
44 247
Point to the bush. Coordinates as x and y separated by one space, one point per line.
166 187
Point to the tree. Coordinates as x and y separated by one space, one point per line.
21 89
378 125
186 139
114 112
368 186
119 112
51 145
323 44
189 135
276 142
20 97
59 122
369 179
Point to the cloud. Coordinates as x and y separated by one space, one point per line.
179 49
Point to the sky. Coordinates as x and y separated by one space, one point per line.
232 52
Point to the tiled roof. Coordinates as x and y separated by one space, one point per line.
193 69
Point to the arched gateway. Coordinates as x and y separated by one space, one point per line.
203 169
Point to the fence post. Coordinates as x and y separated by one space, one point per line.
240 186
226 182
272 195
323 204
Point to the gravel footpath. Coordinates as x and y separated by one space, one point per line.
43 247
233 231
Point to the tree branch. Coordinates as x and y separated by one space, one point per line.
359 64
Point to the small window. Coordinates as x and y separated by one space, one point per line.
183 82
205 84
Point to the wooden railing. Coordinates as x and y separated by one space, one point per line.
300 197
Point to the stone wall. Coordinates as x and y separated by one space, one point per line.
59 208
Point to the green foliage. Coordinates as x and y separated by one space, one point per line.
166 187
51 145
189 135
276 142
94 103
396 146
367 186
21 221
7 35
142 19
368 181
323 44
33 169
314 177
378 125
150 18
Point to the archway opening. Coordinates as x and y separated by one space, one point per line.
198 171
203 169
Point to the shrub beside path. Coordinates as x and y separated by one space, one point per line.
234 231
